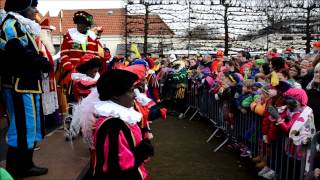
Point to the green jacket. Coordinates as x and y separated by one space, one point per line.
180 76
247 101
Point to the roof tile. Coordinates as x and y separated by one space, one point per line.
113 21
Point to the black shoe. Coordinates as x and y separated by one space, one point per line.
34 171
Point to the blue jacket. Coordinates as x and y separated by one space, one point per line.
21 62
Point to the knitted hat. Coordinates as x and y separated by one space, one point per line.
83 17
289 50
220 53
299 94
243 67
115 82
316 44
259 61
19 5
273 54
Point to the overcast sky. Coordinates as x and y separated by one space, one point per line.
53 6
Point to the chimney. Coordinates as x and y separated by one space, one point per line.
110 13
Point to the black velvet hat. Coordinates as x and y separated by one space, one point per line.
19 5
115 82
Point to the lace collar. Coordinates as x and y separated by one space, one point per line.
80 76
79 37
31 26
111 109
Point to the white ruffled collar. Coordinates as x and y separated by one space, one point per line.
112 109
31 26
79 37
80 76
142 97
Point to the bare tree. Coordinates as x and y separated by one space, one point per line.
202 32
281 12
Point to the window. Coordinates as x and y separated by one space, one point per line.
312 38
287 38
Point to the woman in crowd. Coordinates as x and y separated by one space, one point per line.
313 91
294 73
284 75
306 74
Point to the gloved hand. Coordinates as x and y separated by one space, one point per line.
273 112
292 103
46 66
43 64
143 151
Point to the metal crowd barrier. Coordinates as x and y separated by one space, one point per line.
247 129
314 145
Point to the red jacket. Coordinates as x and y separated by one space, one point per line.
286 126
269 127
71 51
82 88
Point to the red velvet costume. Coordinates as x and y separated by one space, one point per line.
72 50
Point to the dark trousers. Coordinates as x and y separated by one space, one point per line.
19 160
180 105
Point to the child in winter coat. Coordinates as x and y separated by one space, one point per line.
259 105
269 128
276 64
257 66
247 97
225 91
